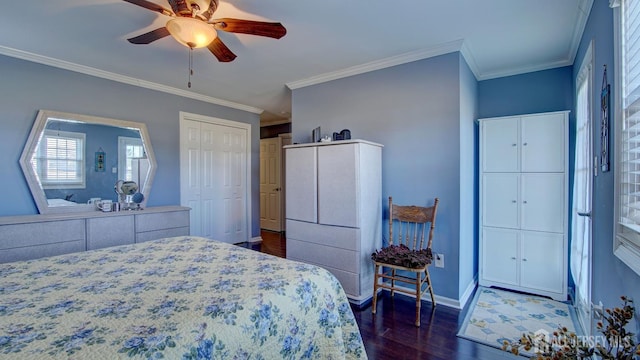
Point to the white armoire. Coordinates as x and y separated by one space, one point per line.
524 203
334 209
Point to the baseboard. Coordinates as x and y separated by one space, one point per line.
256 239
468 293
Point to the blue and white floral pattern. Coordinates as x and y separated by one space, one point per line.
174 298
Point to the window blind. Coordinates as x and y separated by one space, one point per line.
629 212
59 159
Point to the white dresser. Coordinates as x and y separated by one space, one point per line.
524 203
35 236
334 209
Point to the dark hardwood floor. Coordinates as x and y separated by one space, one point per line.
391 334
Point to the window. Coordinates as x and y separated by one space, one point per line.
59 160
627 199
133 164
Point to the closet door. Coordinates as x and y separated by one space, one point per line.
213 178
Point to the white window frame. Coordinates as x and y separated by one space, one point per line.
41 158
626 240
125 159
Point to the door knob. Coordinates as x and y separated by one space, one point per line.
276 189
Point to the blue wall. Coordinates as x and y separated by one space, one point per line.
26 87
540 91
611 277
414 111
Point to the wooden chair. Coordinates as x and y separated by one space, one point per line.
407 252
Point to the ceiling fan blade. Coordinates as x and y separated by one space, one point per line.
221 51
151 6
149 37
260 28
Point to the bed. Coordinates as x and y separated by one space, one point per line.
174 298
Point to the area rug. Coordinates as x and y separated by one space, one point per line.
498 315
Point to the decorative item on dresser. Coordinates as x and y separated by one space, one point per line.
334 209
524 203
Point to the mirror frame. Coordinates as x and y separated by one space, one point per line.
32 142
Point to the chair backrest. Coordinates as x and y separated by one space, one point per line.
411 223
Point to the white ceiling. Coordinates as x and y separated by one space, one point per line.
325 40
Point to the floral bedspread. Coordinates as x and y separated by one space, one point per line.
174 298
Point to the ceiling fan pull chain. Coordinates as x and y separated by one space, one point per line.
190 65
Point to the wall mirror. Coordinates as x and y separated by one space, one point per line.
70 160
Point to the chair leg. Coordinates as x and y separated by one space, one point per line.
433 299
375 289
393 281
418 297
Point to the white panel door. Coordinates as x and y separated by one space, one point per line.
190 168
500 145
229 180
207 170
302 184
500 200
499 262
338 192
213 178
543 200
542 261
270 184
543 143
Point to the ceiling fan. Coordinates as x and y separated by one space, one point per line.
192 25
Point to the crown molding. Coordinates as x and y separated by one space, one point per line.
524 70
61 64
470 59
441 49
584 8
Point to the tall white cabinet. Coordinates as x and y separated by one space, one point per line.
524 203
334 209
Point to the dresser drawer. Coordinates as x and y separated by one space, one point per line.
159 234
109 231
334 236
26 241
159 221
341 259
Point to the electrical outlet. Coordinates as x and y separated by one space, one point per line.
439 258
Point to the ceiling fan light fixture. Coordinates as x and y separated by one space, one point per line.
191 32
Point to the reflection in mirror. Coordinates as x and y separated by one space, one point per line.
71 161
